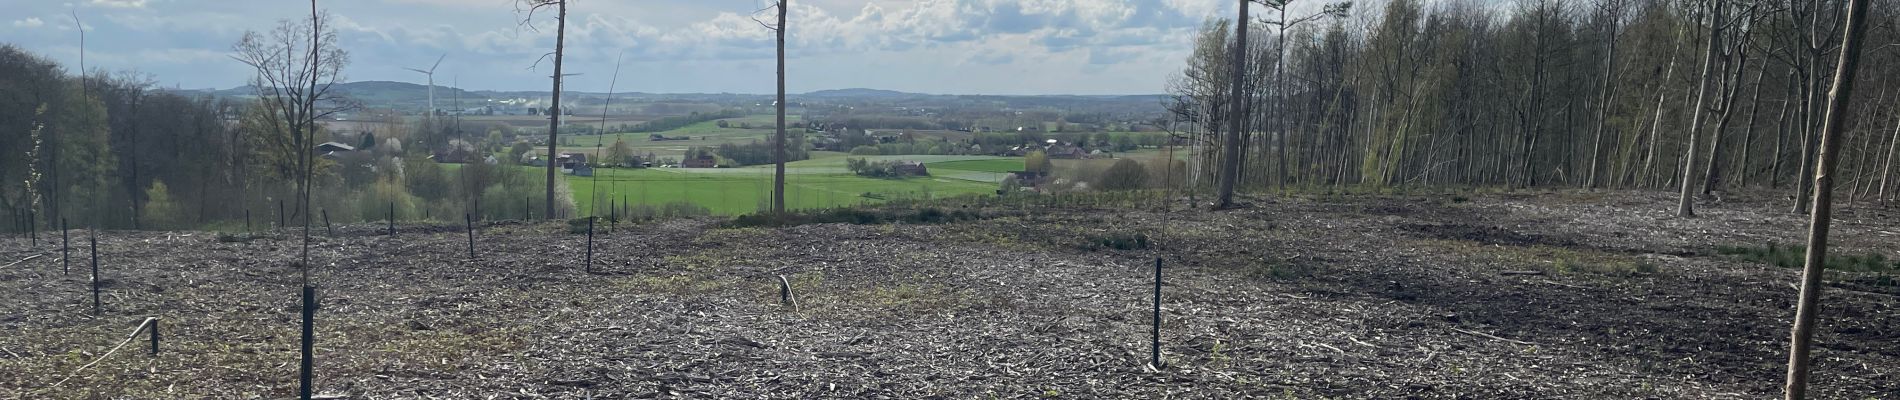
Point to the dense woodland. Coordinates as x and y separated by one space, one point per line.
111 151
1545 93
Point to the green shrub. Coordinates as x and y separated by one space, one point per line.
1126 174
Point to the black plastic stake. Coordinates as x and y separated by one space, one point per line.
1157 327
94 237
392 219
280 213
33 227
470 220
247 220
65 249
154 329
309 339
590 245
326 223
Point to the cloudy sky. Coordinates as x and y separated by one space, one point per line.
931 46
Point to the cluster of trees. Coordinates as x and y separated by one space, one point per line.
111 151
1698 95
90 147
760 152
881 169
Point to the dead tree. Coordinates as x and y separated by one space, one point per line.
778 138
554 110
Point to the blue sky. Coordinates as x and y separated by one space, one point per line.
932 46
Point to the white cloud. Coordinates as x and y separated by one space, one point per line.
118 3
29 22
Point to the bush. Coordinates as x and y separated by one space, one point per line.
1036 161
1126 174
160 211
865 151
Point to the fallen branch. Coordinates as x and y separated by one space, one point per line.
1508 273
128 339
1493 337
28 258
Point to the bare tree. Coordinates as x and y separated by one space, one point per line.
1807 307
554 110
1611 13
778 138
296 63
1230 151
1685 206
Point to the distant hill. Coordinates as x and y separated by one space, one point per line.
860 93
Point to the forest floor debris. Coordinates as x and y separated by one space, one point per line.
1420 296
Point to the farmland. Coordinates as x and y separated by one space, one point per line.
815 183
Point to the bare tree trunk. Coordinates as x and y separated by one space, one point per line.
778 147
1609 93
1748 132
1784 126
1731 87
1811 271
1886 175
1230 159
1662 96
554 111
1685 207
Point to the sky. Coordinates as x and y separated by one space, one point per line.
669 46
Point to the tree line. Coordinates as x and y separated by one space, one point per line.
1695 95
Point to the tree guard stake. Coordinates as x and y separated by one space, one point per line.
309 339
1156 343
94 235
469 219
65 249
590 245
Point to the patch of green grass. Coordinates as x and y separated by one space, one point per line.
992 165
735 191
1795 256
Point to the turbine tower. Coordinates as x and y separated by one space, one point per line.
431 74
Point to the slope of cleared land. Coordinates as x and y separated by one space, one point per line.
1502 296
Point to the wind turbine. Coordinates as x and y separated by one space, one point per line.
431 74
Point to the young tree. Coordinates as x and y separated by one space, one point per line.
1806 307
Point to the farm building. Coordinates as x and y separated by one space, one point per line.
703 161
909 168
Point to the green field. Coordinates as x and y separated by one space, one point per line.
703 134
815 183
